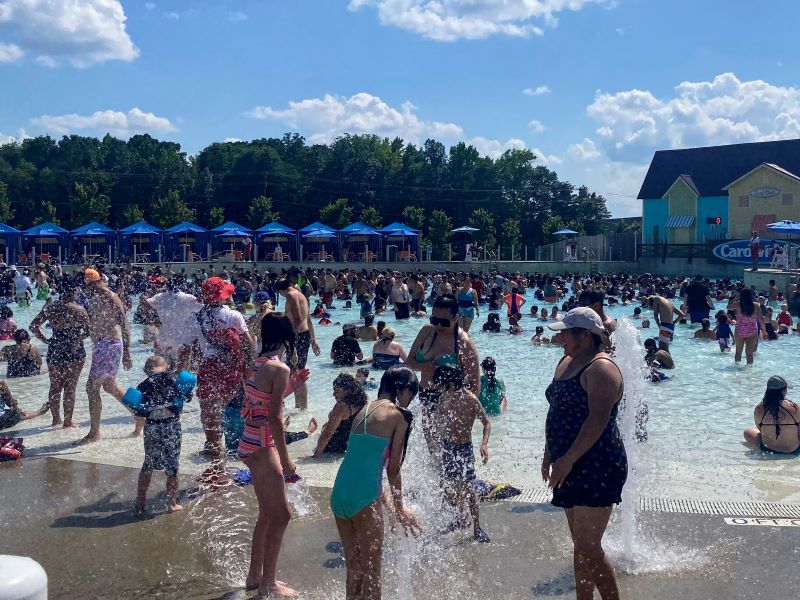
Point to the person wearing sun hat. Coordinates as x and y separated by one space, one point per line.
584 458
110 333
226 346
777 420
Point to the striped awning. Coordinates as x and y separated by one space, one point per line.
677 221
760 222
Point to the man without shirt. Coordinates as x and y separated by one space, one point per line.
296 309
663 310
110 333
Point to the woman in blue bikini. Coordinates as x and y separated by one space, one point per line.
442 342
378 439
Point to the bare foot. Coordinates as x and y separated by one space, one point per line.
279 590
254 586
56 423
312 426
89 439
287 420
68 425
174 508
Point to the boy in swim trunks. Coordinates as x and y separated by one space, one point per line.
663 310
457 413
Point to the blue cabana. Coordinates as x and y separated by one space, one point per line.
184 241
314 243
216 241
141 242
91 240
229 240
359 241
10 243
45 241
317 226
405 238
275 240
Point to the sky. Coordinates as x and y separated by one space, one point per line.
593 87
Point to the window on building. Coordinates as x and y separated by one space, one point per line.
787 199
744 201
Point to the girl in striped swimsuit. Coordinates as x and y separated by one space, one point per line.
263 449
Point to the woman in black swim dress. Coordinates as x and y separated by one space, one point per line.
584 458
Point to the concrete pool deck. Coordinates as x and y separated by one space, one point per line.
75 518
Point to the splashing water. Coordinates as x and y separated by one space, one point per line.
629 546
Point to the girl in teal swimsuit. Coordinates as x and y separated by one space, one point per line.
379 436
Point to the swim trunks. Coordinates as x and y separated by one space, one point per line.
401 310
302 344
106 356
162 445
666 332
458 461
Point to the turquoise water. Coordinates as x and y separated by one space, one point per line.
695 448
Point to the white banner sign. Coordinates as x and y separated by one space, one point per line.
762 521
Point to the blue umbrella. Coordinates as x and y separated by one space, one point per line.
786 226
93 226
275 228
397 228
231 225
464 229
565 232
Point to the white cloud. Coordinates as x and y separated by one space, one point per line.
449 20
10 139
10 53
237 17
46 61
231 140
620 31
551 160
634 123
172 15
586 150
537 91
331 116
150 5
494 148
83 31
116 123
536 126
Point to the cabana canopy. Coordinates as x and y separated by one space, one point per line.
275 228
94 227
45 230
140 240
10 238
359 228
401 229
234 233
46 238
317 226
142 227
186 227
271 237
231 225
185 241
360 241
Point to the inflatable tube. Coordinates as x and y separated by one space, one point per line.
132 398
7 454
186 382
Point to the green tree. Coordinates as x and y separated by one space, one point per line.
512 238
89 204
132 214
47 214
439 226
370 216
6 212
414 216
483 220
260 212
170 210
216 216
338 214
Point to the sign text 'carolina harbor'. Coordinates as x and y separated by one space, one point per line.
738 251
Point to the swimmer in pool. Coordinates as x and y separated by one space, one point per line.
777 420
705 332
655 357
538 338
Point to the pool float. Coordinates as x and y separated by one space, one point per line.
11 449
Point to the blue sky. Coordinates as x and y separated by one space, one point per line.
593 86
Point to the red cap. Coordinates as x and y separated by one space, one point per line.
216 289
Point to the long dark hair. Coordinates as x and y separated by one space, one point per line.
277 331
746 305
772 405
354 391
396 379
449 302
490 366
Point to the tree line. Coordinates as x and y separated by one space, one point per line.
513 200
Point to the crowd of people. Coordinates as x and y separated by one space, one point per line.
247 366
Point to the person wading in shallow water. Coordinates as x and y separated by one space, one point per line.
297 311
111 334
65 353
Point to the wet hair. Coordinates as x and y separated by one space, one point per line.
154 362
362 371
277 331
448 376
771 335
650 343
380 326
20 335
283 284
6 312
449 302
387 334
772 405
589 297
369 319
354 393
746 304
396 379
490 366
539 330
705 324
722 317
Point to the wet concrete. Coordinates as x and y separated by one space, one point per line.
76 519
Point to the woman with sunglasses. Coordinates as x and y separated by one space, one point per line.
442 342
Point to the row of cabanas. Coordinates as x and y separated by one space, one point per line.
142 242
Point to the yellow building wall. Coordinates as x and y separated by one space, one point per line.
682 201
741 218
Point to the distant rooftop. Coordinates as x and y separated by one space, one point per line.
712 168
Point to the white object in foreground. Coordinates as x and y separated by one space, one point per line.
22 578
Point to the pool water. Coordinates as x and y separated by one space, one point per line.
695 448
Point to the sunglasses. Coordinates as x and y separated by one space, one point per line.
440 322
